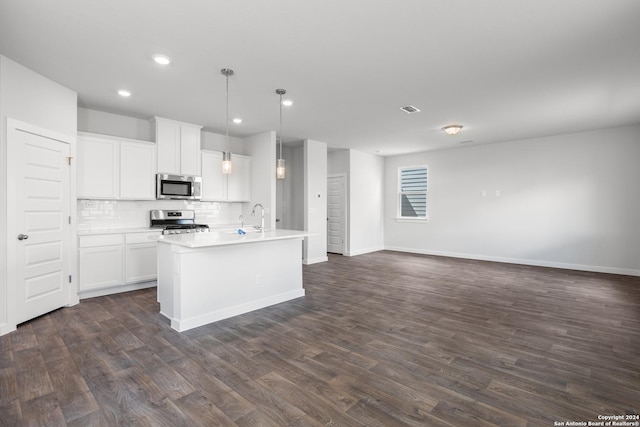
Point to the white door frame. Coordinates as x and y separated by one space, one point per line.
14 126
345 229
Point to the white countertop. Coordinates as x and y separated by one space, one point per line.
95 231
220 238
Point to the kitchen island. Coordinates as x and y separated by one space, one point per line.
206 277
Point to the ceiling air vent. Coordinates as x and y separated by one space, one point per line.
410 109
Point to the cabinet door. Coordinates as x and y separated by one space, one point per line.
100 267
213 181
97 168
189 150
141 262
137 170
239 182
168 141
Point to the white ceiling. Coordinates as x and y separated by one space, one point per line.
505 69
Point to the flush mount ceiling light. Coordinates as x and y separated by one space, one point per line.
280 170
452 129
237 120
162 60
124 93
226 155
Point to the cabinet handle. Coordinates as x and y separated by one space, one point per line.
23 236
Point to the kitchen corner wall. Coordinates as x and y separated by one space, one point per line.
315 201
31 98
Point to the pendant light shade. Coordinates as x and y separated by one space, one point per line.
280 169
226 155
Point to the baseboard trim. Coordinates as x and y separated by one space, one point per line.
536 263
214 316
315 260
116 290
6 328
363 251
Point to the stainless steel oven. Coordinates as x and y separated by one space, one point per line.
181 187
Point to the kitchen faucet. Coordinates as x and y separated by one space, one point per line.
253 213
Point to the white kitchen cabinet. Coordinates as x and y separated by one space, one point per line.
239 182
216 186
115 168
137 170
100 261
97 167
178 147
107 263
140 257
213 180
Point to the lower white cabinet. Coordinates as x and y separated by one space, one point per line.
140 258
100 261
111 261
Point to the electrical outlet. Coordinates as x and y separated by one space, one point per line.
484 193
497 193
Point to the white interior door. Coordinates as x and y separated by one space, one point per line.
336 230
40 174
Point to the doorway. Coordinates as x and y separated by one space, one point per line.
336 213
38 220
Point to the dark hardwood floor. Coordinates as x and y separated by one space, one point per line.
382 339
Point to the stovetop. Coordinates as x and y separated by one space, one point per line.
185 228
176 222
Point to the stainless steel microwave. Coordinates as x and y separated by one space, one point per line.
181 187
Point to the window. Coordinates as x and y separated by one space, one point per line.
412 201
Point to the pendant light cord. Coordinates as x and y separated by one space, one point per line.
281 126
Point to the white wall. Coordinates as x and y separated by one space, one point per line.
28 97
366 202
262 149
135 128
113 124
315 201
569 201
365 199
290 191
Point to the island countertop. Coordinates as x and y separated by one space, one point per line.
220 238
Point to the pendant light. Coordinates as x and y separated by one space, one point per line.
226 155
280 170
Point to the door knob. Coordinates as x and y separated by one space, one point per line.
23 236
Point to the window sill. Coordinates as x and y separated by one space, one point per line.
413 220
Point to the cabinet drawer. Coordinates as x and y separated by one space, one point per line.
99 240
149 237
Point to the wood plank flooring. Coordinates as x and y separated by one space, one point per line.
383 339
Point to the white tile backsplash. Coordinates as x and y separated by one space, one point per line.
101 214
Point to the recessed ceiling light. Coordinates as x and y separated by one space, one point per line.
124 93
287 103
452 129
237 120
162 60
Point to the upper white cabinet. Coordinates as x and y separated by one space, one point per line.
178 146
137 170
115 168
216 186
239 182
